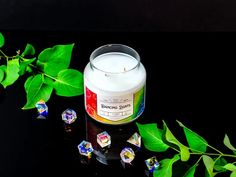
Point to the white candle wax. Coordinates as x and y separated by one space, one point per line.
114 88
116 77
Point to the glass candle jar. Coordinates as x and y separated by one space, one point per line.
114 84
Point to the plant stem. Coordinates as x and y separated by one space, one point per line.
215 149
198 160
218 158
4 55
214 154
35 67
175 149
49 76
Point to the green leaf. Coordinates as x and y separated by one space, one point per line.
29 50
29 69
230 167
24 64
219 164
1 75
48 81
152 137
184 152
209 164
11 72
2 40
195 141
69 82
233 174
2 72
53 60
228 144
37 91
165 169
27 83
191 171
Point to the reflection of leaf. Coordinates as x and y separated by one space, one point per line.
228 144
184 152
165 169
11 72
36 91
2 40
152 137
53 60
191 171
29 50
24 64
209 164
2 72
196 142
69 82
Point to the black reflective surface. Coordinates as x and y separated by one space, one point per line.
190 77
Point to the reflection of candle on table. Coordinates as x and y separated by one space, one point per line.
114 85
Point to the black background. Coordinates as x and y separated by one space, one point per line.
190 76
112 15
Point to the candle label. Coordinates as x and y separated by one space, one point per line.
114 109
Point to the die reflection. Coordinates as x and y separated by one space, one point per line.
107 140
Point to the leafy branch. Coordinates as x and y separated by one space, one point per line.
47 72
159 140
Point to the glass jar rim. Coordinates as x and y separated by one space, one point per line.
114 48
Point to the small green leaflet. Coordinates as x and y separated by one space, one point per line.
209 164
2 40
24 64
152 137
230 167
233 174
69 82
184 152
53 60
228 144
36 90
29 50
11 72
2 72
196 142
165 169
219 164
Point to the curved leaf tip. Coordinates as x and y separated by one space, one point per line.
2 40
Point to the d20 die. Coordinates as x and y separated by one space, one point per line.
69 116
152 163
85 148
42 109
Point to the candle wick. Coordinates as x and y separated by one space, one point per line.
124 69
